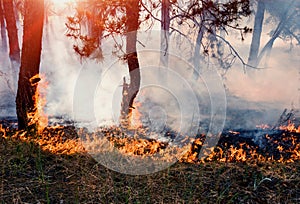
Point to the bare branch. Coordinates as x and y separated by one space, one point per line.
236 53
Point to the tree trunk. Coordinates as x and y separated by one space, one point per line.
2 24
2 27
9 13
130 91
96 31
269 45
165 29
197 52
258 23
30 62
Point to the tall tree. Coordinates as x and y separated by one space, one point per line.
287 16
258 24
124 17
207 21
165 31
2 22
105 19
95 26
26 100
131 90
9 13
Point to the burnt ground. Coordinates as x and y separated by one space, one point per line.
30 174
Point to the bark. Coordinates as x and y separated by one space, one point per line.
197 52
30 61
130 91
9 13
258 24
2 26
165 30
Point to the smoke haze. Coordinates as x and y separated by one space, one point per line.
85 90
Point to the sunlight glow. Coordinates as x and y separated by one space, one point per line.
62 2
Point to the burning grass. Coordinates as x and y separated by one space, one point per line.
282 145
54 167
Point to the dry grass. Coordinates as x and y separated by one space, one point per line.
29 174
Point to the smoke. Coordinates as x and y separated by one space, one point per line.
90 91
265 92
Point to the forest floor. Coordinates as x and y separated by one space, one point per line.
31 174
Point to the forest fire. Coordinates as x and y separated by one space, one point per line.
282 146
149 101
56 140
290 128
135 116
38 116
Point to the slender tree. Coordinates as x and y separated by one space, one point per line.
287 15
2 24
207 21
104 19
95 26
124 17
258 24
9 13
26 100
131 90
165 31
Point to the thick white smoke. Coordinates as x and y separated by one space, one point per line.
262 94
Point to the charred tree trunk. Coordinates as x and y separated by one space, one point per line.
131 90
9 13
258 23
30 62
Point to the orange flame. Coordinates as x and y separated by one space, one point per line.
39 117
61 140
135 117
290 128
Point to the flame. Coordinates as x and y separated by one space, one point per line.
112 139
135 117
283 147
2 131
290 128
39 117
56 140
263 126
235 154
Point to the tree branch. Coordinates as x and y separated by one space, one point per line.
236 53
